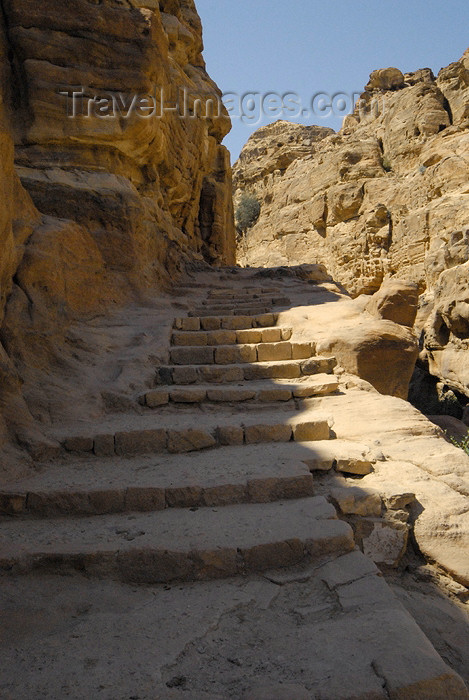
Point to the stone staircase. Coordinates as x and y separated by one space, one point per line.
213 478
246 301
243 350
230 510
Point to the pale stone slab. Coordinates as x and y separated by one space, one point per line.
301 351
186 338
318 365
271 335
157 397
354 466
311 430
348 568
233 354
319 385
249 336
192 355
79 444
272 370
267 433
210 323
271 352
187 324
189 395
103 445
230 435
357 501
275 394
184 375
140 441
230 394
189 440
222 337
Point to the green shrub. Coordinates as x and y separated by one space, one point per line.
386 163
463 444
247 212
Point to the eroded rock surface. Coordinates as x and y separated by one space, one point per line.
386 196
102 200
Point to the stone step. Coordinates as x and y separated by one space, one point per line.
223 337
231 310
83 485
262 391
228 322
177 434
341 627
210 304
250 292
240 372
177 544
144 484
253 300
241 353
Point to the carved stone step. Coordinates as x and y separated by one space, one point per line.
240 372
143 484
225 322
238 310
224 337
177 544
263 391
191 433
233 354
244 292
84 485
247 300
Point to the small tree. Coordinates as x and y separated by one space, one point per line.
247 212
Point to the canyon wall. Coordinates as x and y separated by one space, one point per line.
109 193
386 196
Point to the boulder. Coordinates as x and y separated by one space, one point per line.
396 300
380 352
385 79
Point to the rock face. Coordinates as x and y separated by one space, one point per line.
109 193
386 196
140 176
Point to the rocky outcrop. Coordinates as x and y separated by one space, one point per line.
386 196
109 192
446 308
274 147
132 157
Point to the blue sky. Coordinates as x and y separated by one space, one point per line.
308 47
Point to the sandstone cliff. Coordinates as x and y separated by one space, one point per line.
386 196
100 206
